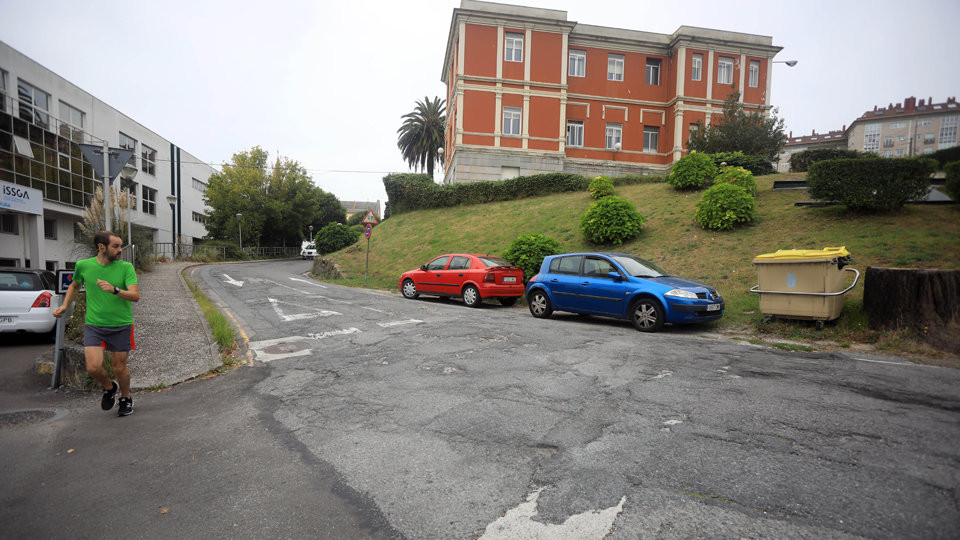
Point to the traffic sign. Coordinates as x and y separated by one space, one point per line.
370 218
64 279
367 230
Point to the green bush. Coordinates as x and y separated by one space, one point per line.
600 187
738 176
356 218
335 237
528 251
693 171
870 184
406 192
758 165
801 161
947 155
611 220
724 206
953 180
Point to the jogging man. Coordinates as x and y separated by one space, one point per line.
111 287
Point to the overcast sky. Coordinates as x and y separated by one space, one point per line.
325 83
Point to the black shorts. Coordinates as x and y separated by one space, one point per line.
114 338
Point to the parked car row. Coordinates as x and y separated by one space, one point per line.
608 284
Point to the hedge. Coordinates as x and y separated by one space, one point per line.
952 186
801 161
945 156
758 165
407 192
872 183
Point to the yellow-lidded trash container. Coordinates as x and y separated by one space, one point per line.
803 283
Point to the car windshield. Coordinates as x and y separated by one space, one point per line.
489 261
637 267
312 246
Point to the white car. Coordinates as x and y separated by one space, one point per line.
27 300
308 251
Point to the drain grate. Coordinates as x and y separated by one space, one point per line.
17 419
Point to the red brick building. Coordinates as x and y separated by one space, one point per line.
530 92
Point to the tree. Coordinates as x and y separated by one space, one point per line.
751 132
422 134
277 204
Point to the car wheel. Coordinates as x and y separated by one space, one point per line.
508 300
471 296
540 305
647 315
409 289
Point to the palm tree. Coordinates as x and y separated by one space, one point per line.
422 134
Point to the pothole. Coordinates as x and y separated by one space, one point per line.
286 347
28 417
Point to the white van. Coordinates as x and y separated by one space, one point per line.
308 250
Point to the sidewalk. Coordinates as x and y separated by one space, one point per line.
174 341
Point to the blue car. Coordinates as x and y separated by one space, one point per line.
622 286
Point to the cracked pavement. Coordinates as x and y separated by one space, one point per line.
448 422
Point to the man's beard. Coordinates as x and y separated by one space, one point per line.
114 257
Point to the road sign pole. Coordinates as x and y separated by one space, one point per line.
367 268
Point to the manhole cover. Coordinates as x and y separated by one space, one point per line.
286 348
24 418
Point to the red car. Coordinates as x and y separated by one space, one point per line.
473 277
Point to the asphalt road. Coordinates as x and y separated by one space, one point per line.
456 422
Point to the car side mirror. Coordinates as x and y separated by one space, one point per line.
423 267
614 276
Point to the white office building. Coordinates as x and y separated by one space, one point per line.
42 118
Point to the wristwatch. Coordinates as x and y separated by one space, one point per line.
116 290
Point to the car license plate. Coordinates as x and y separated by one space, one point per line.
713 307
509 279
6 320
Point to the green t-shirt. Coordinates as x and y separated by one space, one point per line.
105 308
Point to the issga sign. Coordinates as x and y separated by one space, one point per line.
21 199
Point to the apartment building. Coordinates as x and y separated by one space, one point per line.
794 145
906 129
47 183
530 92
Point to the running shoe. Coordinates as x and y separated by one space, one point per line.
126 406
109 397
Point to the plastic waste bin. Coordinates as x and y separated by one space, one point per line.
803 283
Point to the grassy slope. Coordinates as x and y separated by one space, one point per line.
918 236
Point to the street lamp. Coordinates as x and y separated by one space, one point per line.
789 63
240 228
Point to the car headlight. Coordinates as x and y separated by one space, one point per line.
680 293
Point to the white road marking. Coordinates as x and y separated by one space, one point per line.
664 373
672 422
343 332
232 281
259 348
374 309
299 316
518 523
310 282
399 323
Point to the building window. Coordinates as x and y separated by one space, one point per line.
131 188
948 130
577 63
651 138
888 142
199 218
898 125
511 120
513 47
754 73
725 70
922 123
887 153
928 150
696 67
653 71
3 90
614 135
928 138
71 125
9 223
148 160
50 229
575 133
129 143
899 151
149 201
871 138
199 186
34 104
694 129
614 67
